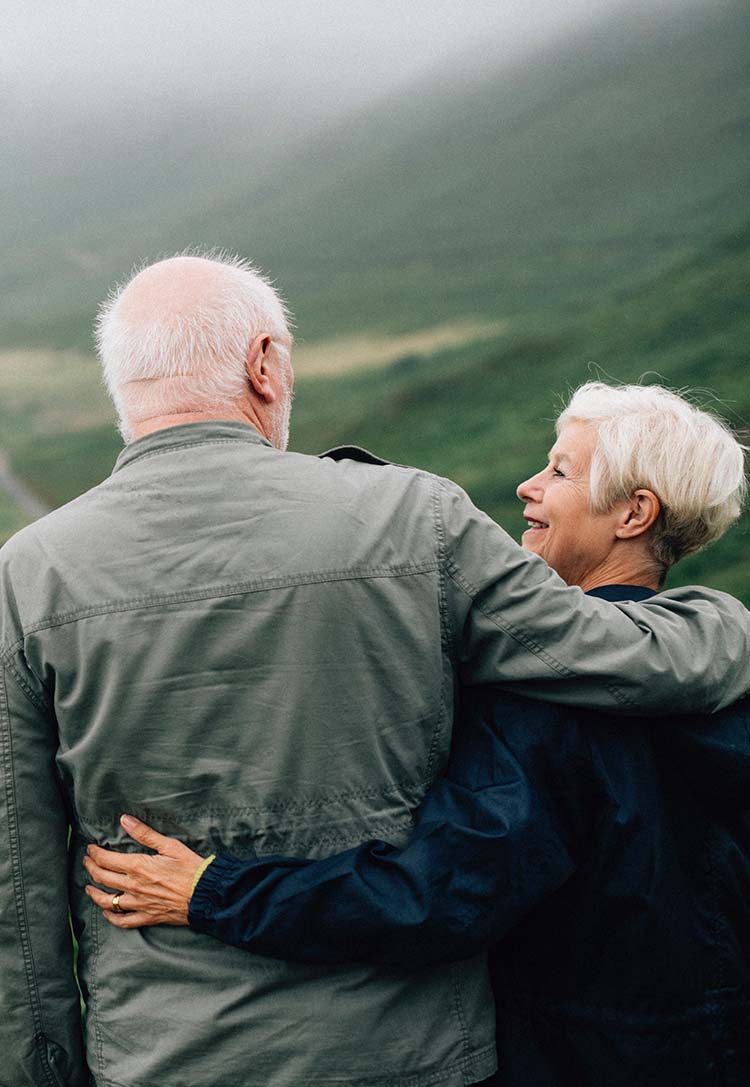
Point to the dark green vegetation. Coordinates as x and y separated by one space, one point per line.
596 197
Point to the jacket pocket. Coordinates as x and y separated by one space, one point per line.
57 1065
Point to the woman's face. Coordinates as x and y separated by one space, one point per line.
563 529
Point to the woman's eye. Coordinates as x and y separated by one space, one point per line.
557 472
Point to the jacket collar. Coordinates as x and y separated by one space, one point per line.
622 592
186 434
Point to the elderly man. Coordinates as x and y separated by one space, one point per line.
257 651
605 863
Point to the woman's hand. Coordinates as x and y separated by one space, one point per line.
147 889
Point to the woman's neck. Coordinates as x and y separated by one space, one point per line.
619 571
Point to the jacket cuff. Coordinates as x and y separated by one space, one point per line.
209 891
200 870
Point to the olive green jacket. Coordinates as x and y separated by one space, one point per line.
258 651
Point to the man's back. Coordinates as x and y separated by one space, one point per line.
246 646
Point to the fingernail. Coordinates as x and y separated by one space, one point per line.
128 821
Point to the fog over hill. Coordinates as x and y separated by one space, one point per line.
177 96
169 146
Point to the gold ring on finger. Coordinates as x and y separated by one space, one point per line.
116 907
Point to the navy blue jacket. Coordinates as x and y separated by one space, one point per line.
605 863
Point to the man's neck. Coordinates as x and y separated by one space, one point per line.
209 415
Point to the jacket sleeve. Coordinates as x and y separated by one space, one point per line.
491 841
40 1018
511 620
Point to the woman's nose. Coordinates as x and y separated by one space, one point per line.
530 489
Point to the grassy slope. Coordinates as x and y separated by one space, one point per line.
594 198
491 426
485 417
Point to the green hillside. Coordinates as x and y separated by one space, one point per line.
595 199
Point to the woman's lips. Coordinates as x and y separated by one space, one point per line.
535 525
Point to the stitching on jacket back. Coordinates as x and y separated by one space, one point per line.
217 592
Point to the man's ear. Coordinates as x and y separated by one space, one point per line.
639 514
257 365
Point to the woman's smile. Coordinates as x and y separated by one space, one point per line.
564 529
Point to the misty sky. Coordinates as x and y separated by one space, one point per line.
64 63
134 127
110 104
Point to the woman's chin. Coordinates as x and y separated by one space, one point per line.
530 540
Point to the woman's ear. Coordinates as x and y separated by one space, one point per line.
639 514
257 366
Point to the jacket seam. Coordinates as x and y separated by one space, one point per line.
461 1018
93 1011
337 839
320 801
14 844
440 539
454 572
215 592
521 636
7 660
353 837
446 644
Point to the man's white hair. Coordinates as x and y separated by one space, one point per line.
652 438
178 358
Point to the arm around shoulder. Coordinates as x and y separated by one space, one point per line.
512 620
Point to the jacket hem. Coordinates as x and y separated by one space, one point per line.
470 1069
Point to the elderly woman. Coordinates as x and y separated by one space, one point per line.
604 863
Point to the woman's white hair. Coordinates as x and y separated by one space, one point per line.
652 438
166 357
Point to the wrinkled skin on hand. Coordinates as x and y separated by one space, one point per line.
153 889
